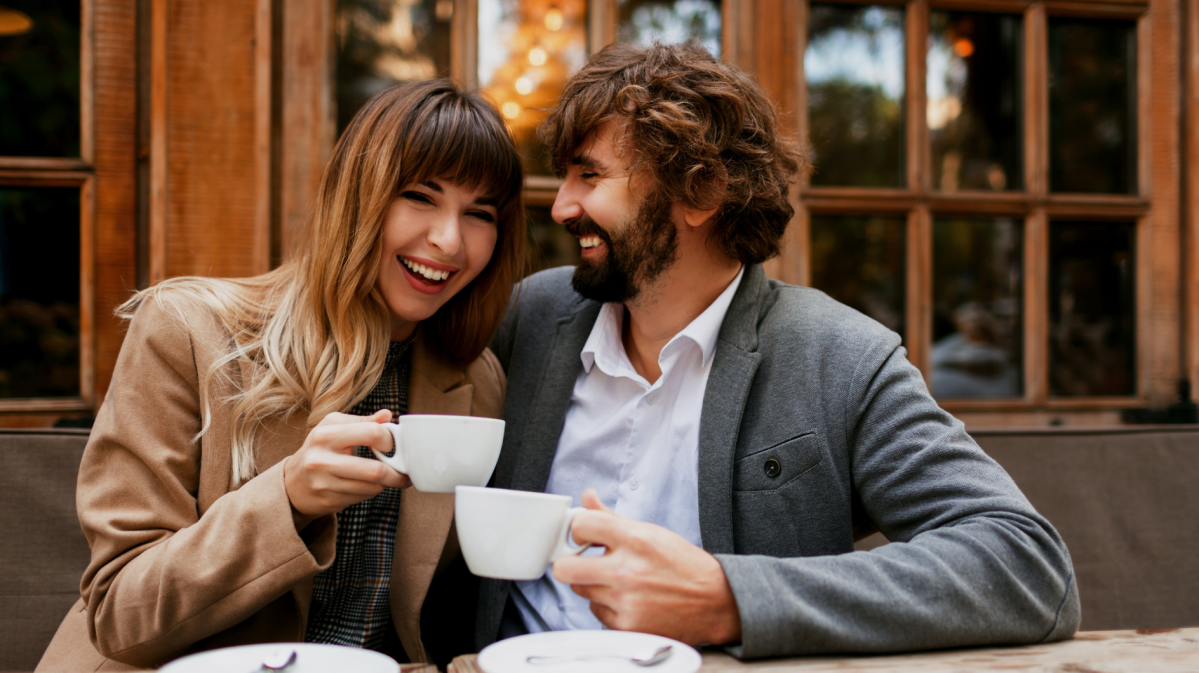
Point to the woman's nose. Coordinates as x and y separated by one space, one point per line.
446 234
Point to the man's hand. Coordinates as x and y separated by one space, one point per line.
324 477
649 579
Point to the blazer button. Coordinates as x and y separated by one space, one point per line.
773 468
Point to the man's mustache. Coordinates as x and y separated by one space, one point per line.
585 226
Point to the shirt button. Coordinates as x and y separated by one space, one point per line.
773 468
651 398
633 483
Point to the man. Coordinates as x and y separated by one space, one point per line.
734 435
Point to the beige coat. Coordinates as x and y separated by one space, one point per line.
183 561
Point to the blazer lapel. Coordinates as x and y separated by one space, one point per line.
422 534
547 414
733 368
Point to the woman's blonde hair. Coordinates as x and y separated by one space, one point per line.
318 324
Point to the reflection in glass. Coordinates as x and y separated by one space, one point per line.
39 292
977 334
1091 308
643 22
1092 106
551 244
381 43
859 261
527 51
39 80
854 70
974 102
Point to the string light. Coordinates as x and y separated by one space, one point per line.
537 56
554 19
510 110
524 86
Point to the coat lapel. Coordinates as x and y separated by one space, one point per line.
733 368
547 414
423 531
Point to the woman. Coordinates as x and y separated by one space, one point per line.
220 456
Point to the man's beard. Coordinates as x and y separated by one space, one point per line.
637 255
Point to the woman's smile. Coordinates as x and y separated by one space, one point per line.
426 275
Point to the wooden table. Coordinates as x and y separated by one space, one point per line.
1164 650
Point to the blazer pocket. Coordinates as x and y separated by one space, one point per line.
772 467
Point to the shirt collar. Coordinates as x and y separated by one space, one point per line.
604 344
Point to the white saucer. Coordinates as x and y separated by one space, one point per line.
310 658
508 656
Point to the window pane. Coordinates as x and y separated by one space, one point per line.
977 322
854 70
974 104
1092 106
527 51
1091 318
39 78
642 22
382 43
859 261
551 244
39 292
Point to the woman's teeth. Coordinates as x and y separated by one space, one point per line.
589 241
425 272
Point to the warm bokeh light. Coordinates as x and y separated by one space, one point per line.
963 47
511 110
537 56
524 86
554 19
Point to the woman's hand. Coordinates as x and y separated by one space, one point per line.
325 477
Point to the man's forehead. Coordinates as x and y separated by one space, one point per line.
598 149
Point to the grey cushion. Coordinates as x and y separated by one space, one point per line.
43 552
1125 501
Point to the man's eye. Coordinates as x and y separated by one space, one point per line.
587 176
417 196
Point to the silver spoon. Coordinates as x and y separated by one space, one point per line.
658 656
278 660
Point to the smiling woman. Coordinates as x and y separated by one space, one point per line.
241 412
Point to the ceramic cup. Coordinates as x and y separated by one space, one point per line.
441 452
512 535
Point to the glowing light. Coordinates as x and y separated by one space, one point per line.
510 110
524 86
963 47
13 22
537 56
554 19
942 111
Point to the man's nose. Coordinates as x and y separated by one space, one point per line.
566 205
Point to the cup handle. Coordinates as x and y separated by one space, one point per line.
564 546
396 460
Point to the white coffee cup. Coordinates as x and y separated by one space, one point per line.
441 452
513 535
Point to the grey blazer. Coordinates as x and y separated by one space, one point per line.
828 393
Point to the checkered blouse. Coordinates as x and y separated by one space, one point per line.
350 599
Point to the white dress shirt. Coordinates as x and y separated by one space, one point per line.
637 444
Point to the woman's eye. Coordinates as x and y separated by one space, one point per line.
482 215
417 196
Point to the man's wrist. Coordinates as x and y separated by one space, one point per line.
726 628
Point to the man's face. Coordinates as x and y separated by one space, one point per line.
627 235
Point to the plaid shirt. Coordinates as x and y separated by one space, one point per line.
350 603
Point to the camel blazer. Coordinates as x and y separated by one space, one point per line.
183 559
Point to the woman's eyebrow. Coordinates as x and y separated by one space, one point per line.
487 201
432 185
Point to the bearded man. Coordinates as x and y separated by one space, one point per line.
731 434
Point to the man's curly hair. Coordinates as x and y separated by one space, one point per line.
705 133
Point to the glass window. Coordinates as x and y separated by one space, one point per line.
527 52
1092 106
977 324
381 43
39 78
551 244
643 22
859 261
1091 308
39 292
854 67
974 88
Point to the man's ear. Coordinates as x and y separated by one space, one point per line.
696 218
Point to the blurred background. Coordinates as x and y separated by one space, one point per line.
1011 185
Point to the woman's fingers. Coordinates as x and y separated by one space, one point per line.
343 437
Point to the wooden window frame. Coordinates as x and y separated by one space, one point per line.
78 172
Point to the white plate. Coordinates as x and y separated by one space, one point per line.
310 658
508 656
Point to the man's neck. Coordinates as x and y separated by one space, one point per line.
666 308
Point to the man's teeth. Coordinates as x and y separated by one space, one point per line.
589 241
431 274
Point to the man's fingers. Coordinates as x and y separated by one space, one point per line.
585 570
591 500
600 528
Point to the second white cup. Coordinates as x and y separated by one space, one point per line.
513 535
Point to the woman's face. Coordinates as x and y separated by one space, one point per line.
437 237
